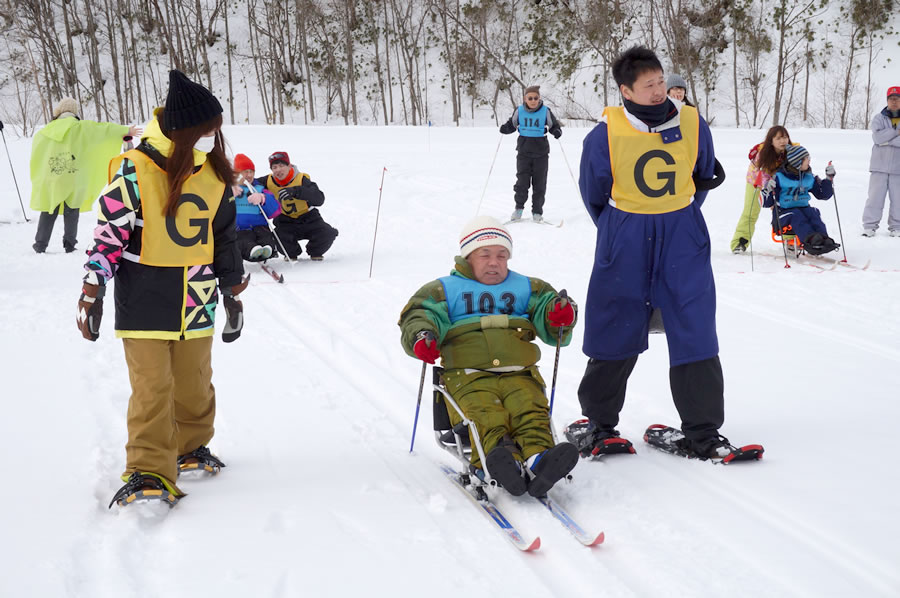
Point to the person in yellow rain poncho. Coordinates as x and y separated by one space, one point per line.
69 158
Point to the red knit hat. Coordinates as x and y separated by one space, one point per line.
894 91
280 157
242 163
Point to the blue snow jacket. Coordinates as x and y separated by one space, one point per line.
248 215
792 189
647 261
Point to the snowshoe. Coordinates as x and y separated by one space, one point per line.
199 460
143 487
596 441
551 466
506 470
716 449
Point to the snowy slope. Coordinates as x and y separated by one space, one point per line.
316 404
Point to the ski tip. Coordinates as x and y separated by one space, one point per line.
534 545
601 537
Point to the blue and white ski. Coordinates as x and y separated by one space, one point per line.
570 524
491 511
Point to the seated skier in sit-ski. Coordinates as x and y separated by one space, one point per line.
790 188
481 320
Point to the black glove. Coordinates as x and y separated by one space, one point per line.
288 193
507 128
90 311
234 311
556 132
709 184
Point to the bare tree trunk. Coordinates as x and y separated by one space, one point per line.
350 24
228 62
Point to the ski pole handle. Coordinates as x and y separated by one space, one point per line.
564 300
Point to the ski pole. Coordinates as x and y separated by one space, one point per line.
838 214
751 227
490 170
418 404
271 226
13 172
781 232
372 259
566 160
564 297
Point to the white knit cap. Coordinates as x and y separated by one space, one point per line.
66 104
483 231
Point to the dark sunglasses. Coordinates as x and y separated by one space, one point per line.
532 97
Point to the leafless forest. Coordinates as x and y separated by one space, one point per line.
449 61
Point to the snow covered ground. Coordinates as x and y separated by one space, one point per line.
316 401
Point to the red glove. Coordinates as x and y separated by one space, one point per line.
426 347
562 313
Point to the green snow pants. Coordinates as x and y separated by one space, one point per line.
509 404
747 222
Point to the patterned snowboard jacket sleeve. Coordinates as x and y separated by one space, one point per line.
171 303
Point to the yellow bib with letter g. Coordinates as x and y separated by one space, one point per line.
649 176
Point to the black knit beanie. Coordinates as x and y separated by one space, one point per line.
188 103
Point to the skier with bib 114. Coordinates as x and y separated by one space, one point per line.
533 120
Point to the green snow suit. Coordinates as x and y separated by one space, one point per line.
506 403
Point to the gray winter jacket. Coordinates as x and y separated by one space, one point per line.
886 151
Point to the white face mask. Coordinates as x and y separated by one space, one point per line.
205 144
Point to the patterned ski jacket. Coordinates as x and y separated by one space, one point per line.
165 267
755 175
482 327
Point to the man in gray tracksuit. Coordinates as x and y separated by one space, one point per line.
884 167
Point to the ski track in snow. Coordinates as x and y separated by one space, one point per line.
316 404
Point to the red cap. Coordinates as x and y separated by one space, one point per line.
893 91
242 163
280 157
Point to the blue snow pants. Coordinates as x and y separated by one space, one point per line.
644 261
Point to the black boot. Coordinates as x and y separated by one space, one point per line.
506 469
551 466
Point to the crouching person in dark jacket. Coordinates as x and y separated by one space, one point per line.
299 219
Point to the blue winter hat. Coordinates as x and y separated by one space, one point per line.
795 155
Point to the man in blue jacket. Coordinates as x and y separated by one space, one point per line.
645 171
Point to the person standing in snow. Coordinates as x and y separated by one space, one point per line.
481 321
884 167
533 120
789 189
68 168
166 232
299 219
645 171
676 88
255 240
765 159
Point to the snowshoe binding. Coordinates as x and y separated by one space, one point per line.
200 460
551 466
593 441
716 449
143 487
